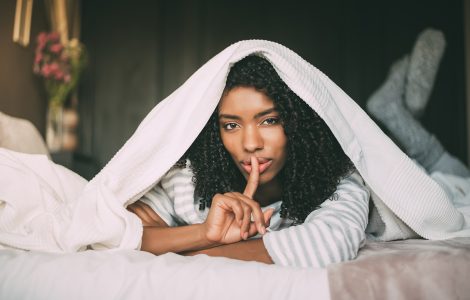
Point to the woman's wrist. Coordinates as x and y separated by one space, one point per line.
203 237
160 240
251 250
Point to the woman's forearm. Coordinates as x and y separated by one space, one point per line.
159 240
251 250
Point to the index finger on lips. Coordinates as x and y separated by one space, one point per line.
253 179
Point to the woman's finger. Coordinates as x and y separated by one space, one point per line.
253 230
253 179
268 213
229 203
245 226
256 212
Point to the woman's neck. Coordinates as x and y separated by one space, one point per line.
268 193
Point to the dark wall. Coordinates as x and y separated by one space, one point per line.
141 50
21 92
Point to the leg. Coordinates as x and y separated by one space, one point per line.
386 105
424 63
450 165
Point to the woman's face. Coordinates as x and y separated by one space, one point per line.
250 126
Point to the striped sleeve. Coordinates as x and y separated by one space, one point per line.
163 206
333 233
161 198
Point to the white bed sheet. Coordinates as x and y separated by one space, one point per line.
130 274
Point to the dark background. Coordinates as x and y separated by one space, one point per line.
21 93
142 50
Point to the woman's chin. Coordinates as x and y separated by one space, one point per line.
265 178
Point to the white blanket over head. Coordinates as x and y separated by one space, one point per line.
64 214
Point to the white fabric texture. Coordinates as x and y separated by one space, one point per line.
98 216
130 274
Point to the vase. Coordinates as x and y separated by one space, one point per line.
69 129
54 128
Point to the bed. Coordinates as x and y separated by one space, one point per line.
407 269
410 269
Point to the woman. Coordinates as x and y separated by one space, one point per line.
263 147
65 213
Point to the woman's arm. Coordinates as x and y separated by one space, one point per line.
221 227
251 250
159 238
333 233
229 221
191 240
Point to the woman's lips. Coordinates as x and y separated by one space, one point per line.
264 164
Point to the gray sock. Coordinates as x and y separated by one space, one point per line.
389 92
424 63
450 165
386 105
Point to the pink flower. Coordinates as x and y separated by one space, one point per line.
38 58
49 70
54 36
42 38
55 62
59 75
46 70
56 48
54 67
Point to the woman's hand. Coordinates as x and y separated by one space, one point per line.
230 215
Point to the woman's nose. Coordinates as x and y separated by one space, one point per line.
252 139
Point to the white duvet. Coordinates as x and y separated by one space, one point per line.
131 274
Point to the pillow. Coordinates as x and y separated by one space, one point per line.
20 135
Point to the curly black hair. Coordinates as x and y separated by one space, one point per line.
315 162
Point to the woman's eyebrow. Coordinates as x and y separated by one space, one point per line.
265 112
260 114
227 116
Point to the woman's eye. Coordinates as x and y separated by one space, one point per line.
230 126
270 121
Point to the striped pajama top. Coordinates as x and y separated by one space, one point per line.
332 233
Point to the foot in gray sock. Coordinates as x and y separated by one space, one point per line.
390 93
424 63
387 106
